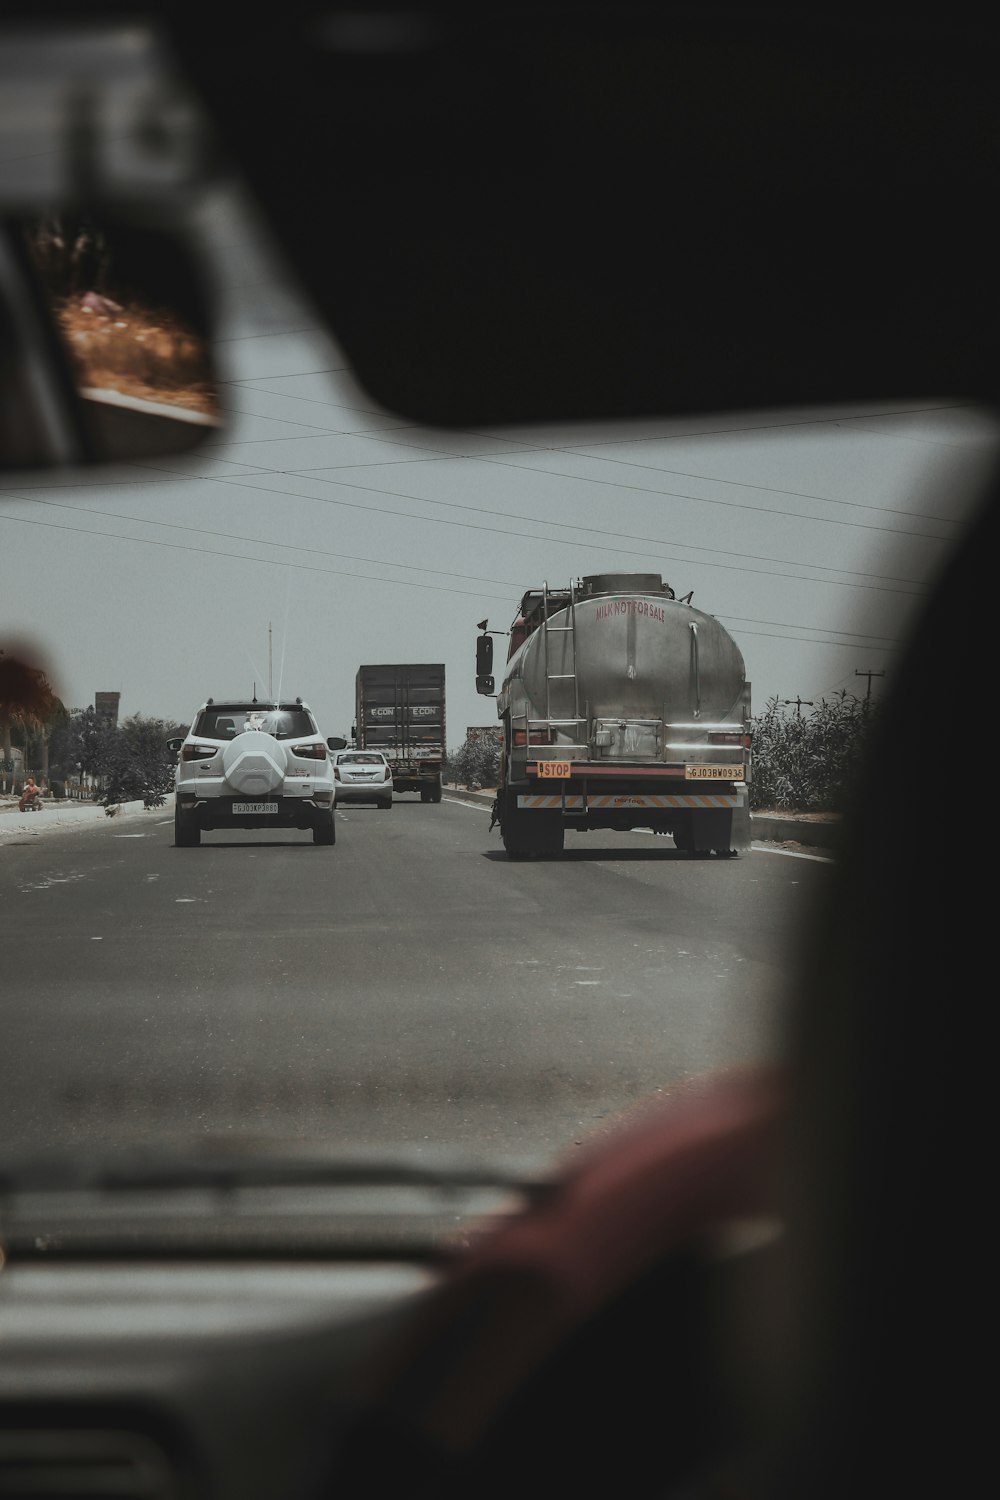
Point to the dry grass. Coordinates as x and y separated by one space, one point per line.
138 352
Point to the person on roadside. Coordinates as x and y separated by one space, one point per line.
31 796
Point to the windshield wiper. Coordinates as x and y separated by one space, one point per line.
234 1199
222 1165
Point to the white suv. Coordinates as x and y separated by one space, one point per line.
253 765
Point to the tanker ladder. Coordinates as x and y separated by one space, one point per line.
550 677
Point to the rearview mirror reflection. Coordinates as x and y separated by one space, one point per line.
106 340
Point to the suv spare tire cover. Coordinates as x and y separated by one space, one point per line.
254 763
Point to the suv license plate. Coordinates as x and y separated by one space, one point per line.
255 807
713 773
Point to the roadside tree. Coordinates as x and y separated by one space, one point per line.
476 763
807 763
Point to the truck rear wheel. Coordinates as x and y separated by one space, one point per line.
525 834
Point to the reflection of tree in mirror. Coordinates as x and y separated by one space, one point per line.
128 318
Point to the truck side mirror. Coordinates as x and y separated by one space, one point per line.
485 685
484 657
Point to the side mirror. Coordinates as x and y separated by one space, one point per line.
484 664
105 332
174 746
335 743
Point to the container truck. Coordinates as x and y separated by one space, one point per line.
400 711
621 706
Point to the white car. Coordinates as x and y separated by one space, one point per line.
362 776
253 765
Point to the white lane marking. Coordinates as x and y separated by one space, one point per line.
821 859
457 802
163 822
185 900
128 835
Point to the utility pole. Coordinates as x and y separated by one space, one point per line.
869 674
799 702
270 696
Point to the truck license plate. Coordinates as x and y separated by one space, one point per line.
255 807
713 773
553 769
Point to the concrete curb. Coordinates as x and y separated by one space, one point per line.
773 827
75 815
781 828
482 799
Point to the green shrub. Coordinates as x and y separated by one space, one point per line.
809 763
476 763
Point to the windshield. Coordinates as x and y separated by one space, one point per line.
427 981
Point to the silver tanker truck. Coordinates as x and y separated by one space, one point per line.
622 707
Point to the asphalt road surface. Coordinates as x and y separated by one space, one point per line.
408 985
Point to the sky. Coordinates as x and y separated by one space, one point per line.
346 534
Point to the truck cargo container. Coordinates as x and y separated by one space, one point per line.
622 707
400 710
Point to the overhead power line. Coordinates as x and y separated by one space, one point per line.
382 562
759 510
270 562
249 481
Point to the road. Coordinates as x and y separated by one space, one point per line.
409 985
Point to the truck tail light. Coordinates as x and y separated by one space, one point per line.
198 752
310 752
716 737
538 737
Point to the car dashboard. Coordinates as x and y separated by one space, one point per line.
183 1328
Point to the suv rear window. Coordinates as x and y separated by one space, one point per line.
227 723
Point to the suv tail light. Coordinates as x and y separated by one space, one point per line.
336 774
717 738
310 752
198 752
